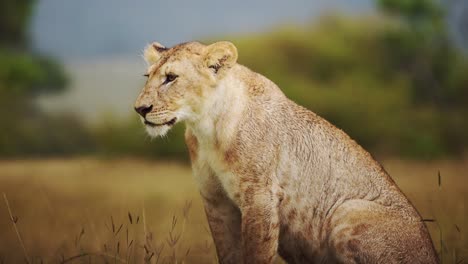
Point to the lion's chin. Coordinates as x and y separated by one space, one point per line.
157 131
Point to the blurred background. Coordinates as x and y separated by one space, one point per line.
75 162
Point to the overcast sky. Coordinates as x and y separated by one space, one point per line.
90 28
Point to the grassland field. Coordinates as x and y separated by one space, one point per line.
90 210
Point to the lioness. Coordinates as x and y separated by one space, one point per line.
274 176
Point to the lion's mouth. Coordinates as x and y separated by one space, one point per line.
168 123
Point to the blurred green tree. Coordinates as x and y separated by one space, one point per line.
24 75
422 48
421 45
22 72
14 19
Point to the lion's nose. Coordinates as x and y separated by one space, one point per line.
143 110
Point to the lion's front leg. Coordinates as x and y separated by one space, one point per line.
260 226
225 224
224 219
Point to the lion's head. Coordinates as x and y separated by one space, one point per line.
179 81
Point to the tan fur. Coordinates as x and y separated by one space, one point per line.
274 176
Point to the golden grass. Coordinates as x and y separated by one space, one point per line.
79 210
55 200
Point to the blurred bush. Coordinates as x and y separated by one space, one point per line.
124 137
394 82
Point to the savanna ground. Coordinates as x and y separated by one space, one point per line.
88 210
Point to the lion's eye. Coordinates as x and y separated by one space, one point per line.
170 77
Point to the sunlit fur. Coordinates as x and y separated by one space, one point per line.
274 176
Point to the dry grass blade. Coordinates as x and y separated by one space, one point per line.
150 257
130 218
105 255
159 251
78 239
113 225
187 253
118 229
440 178
145 233
174 222
14 220
129 248
70 259
147 257
173 239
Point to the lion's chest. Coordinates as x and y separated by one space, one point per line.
222 172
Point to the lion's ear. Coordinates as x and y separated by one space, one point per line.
153 52
221 54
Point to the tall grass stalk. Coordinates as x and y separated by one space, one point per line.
14 220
